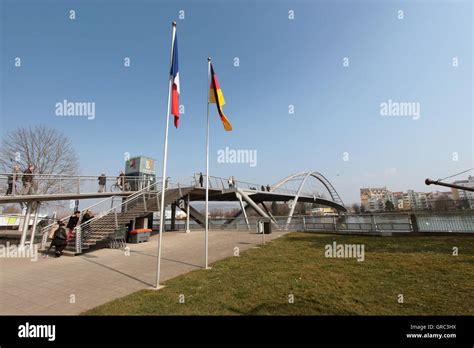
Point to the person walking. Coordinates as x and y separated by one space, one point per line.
201 179
52 233
268 188
27 180
102 182
60 240
72 223
87 216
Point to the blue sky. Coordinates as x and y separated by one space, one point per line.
282 62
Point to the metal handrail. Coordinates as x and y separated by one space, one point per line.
45 229
191 179
128 200
111 199
223 181
244 184
80 236
20 174
63 183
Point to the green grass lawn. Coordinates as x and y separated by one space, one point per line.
261 280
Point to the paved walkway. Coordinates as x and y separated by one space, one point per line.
71 285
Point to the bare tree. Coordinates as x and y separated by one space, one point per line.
300 208
443 202
274 208
11 209
47 149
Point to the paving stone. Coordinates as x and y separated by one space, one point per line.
44 287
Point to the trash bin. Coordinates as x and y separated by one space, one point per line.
264 226
267 227
259 226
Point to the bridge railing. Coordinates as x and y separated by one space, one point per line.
216 182
223 183
67 184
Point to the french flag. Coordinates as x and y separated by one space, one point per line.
174 72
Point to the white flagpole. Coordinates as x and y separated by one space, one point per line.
163 178
207 165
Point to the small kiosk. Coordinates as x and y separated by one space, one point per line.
140 173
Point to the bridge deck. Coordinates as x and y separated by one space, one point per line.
196 194
228 195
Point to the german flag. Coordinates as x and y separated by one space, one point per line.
216 96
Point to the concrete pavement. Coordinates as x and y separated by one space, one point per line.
71 285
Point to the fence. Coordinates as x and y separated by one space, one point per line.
372 224
393 223
446 222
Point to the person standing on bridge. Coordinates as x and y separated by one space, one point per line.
27 180
121 180
102 182
12 179
201 179
268 188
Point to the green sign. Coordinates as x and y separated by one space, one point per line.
140 164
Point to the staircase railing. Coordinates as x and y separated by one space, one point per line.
83 231
45 230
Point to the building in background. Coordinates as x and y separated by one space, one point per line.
415 200
398 199
377 199
372 198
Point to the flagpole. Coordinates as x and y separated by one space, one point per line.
206 234
163 177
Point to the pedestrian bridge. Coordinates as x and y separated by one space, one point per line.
120 206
